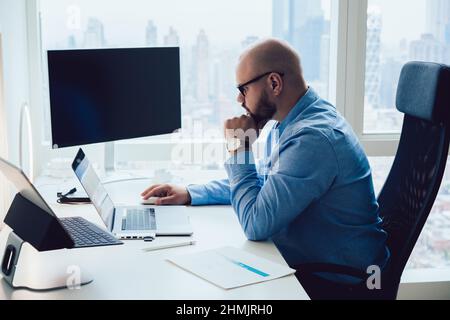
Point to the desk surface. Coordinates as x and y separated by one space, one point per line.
128 272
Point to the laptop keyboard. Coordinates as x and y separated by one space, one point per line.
139 219
86 234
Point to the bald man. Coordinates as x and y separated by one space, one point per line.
313 193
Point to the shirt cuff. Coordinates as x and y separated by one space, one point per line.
198 193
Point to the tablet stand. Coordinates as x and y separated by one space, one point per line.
39 253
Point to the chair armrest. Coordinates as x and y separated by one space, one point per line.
312 268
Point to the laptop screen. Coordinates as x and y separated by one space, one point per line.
94 188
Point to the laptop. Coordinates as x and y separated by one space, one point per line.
82 232
129 222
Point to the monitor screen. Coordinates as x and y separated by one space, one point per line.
102 95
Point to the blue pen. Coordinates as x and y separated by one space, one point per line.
243 265
249 268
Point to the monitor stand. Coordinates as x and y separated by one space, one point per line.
111 174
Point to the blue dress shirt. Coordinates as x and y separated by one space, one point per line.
312 194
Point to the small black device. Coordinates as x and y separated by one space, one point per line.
74 200
65 199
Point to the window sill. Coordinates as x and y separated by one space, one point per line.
425 284
426 275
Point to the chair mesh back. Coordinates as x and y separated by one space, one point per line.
411 188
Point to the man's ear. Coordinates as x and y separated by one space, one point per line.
276 84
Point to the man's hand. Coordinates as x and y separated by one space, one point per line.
243 128
167 194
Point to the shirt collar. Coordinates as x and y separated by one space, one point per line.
308 98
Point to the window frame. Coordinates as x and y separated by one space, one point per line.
352 89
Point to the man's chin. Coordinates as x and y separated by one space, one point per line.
260 121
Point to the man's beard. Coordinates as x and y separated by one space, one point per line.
265 110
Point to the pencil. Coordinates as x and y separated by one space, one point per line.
170 245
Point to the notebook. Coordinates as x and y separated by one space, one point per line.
230 268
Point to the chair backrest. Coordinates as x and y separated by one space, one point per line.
407 197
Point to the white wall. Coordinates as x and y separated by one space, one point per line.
15 61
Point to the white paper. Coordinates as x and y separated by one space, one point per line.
230 267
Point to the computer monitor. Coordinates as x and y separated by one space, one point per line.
102 95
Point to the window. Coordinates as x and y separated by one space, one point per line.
422 34
211 36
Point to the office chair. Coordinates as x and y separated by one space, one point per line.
406 199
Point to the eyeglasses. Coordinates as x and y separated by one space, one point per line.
241 87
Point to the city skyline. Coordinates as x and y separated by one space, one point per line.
261 14
208 91
385 60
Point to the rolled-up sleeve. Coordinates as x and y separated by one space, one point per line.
304 167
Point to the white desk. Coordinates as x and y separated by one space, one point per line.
127 272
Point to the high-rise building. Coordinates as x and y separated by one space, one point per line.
172 39
438 19
428 48
308 41
373 55
151 35
216 81
302 24
280 18
94 36
303 10
71 42
200 56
